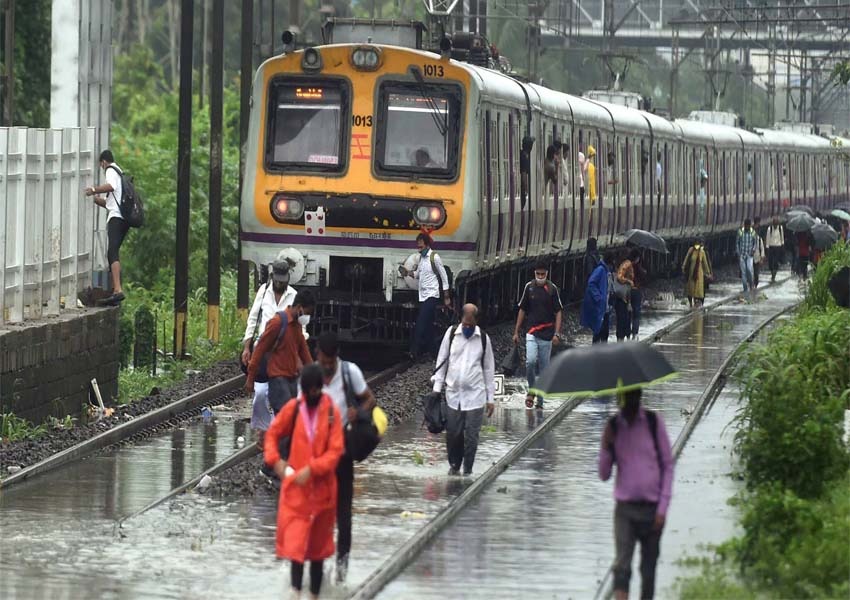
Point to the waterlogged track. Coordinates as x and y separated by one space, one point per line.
544 529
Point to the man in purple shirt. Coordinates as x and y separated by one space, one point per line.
637 441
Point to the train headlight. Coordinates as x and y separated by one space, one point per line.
366 58
311 60
430 214
286 210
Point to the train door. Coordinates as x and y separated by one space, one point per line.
499 194
664 191
486 217
512 154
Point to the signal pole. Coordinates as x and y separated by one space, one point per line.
216 120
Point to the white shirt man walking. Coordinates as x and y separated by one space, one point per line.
468 371
433 279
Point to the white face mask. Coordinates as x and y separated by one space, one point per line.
304 320
540 280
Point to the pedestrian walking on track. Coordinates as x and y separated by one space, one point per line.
541 306
467 370
697 269
745 248
308 431
433 285
775 244
636 440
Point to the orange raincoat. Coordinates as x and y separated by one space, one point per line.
306 514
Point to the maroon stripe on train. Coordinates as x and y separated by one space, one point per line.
311 240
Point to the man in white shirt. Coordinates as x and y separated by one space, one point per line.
760 254
775 245
433 282
582 172
273 296
116 227
345 384
468 371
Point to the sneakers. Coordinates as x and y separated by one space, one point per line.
268 472
341 568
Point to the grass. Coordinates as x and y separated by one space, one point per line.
15 429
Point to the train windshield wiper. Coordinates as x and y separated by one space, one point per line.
441 122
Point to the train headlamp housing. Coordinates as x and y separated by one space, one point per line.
433 215
285 209
366 58
311 61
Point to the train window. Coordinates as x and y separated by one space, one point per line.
307 126
418 129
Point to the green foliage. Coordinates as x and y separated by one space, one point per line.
818 295
32 63
125 340
795 390
144 350
14 428
841 72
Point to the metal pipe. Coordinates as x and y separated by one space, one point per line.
247 68
216 122
184 173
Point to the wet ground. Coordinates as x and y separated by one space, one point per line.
544 528
60 537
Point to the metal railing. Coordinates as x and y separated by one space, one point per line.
52 238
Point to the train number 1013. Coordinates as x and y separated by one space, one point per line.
361 120
433 70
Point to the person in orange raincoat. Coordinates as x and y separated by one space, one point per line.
306 511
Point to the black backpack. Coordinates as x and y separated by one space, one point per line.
132 207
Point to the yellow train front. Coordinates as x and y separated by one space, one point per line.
353 150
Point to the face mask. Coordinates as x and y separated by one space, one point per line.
304 320
540 280
424 252
313 401
468 331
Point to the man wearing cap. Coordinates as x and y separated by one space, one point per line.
273 296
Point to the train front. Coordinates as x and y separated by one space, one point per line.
353 150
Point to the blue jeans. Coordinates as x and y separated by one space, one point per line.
423 332
537 354
746 264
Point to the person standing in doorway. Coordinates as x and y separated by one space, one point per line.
271 298
433 283
775 245
637 441
116 226
745 248
466 368
541 305
346 386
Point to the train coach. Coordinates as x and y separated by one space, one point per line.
353 149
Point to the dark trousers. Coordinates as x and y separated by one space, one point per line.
637 298
803 266
281 391
635 522
345 495
423 332
462 430
774 257
602 336
624 318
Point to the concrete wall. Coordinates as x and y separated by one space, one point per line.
46 365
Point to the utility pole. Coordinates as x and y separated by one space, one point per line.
9 71
245 79
216 123
184 173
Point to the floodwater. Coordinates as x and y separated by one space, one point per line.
544 528
60 537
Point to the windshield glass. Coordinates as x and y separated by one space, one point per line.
419 131
306 125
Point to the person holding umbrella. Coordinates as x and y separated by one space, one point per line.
637 441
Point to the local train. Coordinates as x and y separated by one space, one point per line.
353 149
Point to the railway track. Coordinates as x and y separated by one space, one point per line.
532 497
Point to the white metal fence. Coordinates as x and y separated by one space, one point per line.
51 235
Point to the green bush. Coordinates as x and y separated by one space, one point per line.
818 295
795 389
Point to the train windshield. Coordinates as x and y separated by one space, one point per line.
418 130
306 125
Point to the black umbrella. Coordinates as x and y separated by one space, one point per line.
802 208
824 236
602 369
799 221
646 239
